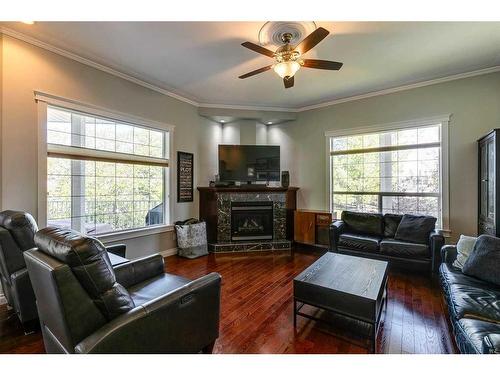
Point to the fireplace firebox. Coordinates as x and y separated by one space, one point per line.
251 221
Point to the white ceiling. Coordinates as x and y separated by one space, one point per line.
202 60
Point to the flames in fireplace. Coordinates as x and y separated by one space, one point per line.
251 221
251 225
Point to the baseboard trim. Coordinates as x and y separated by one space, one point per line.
168 252
3 300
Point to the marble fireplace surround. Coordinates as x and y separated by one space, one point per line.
221 200
224 201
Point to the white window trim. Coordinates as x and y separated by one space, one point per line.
43 100
444 120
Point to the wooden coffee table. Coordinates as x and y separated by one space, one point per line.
346 285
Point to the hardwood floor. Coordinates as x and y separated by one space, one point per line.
257 313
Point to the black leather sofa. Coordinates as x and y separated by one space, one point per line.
473 307
371 235
87 306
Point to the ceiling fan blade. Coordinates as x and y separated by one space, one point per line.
256 48
312 39
254 72
322 64
288 81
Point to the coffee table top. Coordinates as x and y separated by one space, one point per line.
356 276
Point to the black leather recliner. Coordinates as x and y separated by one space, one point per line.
87 306
473 307
17 230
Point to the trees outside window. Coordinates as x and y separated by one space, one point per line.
395 171
104 175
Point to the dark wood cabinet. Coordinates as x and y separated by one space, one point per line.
312 227
488 184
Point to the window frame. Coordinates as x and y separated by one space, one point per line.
442 120
43 101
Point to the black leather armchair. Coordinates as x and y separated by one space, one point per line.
87 306
17 230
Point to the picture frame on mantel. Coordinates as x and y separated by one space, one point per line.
185 166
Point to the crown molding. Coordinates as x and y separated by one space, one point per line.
128 77
248 107
392 90
83 60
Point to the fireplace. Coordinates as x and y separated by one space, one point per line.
251 221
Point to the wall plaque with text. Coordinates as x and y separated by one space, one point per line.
184 176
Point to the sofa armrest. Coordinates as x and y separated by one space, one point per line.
138 270
184 320
24 296
336 229
491 343
436 242
118 249
448 253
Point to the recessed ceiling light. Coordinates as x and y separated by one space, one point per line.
269 123
222 121
28 22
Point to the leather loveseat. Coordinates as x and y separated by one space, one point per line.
473 307
87 306
372 235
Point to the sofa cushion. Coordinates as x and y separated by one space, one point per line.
404 249
363 223
359 242
155 287
89 261
465 245
471 333
413 228
450 275
484 260
473 302
391 223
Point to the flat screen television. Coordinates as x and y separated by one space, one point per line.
248 163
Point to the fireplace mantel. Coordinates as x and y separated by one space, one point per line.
247 189
215 209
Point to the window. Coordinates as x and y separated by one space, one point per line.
388 171
104 175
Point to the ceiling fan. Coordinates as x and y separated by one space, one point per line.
288 59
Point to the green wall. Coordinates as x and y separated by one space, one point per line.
474 105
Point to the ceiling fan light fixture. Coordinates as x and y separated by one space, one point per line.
286 68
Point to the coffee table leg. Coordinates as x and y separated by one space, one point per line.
374 339
294 313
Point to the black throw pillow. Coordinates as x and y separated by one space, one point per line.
391 223
484 260
417 229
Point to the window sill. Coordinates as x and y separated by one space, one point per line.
134 233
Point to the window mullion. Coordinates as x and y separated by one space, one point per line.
386 148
